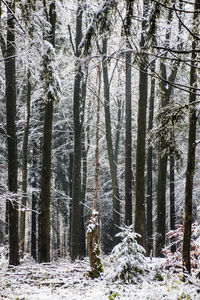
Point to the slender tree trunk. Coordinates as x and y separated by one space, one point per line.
128 131
172 198
93 228
34 204
82 245
44 220
166 92
76 181
128 145
24 166
149 169
120 110
191 152
112 163
172 191
11 136
139 224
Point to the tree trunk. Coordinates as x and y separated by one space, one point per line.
112 163
76 177
166 92
34 204
93 227
149 169
24 166
128 131
191 152
172 198
44 219
11 136
141 136
82 245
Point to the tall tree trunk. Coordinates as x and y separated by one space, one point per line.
34 202
76 177
112 163
149 168
82 243
11 135
162 165
191 151
44 220
172 198
93 227
128 131
139 224
24 165
166 92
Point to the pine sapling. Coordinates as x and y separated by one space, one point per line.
128 257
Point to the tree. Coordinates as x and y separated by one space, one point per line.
165 92
44 220
150 167
10 77
139 225
112 163
128 143
26 10
77 127
191 148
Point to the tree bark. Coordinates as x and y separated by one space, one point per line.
139 224
24 166
112 163
128 131
149 168
10 78
44 219
76 177
166 92
191 152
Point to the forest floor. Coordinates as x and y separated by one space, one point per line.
63 280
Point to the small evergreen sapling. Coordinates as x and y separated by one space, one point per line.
128 257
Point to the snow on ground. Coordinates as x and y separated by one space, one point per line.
63 280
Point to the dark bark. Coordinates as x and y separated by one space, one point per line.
139 224
76 178
128 145
44 219
161 204
172 198
128 131
166 92
149 169
10 74
34 206
172 191
120 110
112 163
82 245
191 154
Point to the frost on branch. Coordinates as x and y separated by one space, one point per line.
93 246
99 24
128 257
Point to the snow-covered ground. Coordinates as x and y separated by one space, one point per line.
64 280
